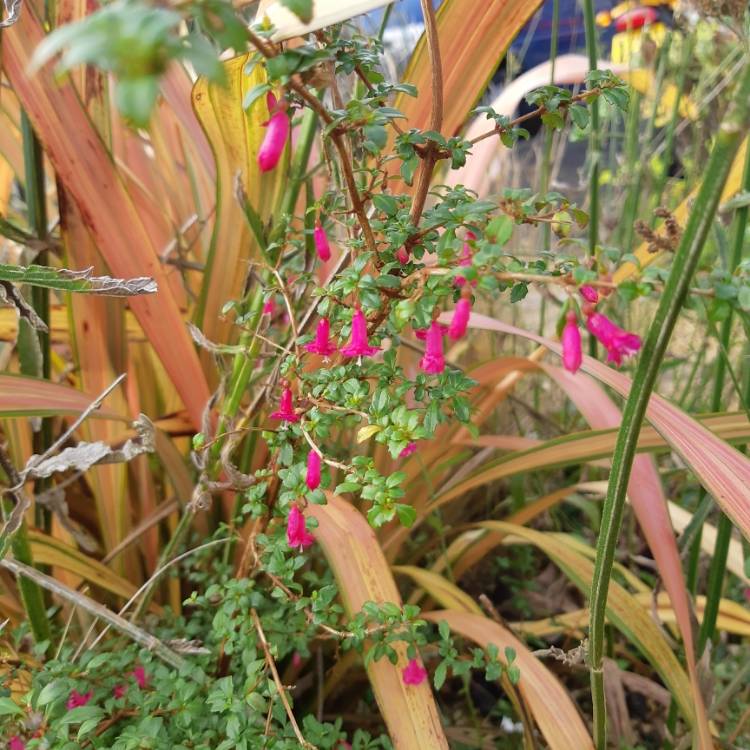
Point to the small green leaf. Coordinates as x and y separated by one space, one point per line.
8 707
580 116
519 292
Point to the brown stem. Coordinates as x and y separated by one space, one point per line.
430 156
531 115
277 680
299 88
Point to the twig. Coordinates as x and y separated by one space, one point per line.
564 280
138 635
429 158
281 689
497 130
156 574
329 461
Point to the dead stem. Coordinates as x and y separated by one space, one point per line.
282 690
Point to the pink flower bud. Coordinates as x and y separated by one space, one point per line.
296 660
402 256
460 319
286 411
119 691
321 242
16 743
571 343
406 452
313 470
322 344
413 673
269 306
358 345
277 130
616 341
589 293
433 361
140 676
76 699
297 536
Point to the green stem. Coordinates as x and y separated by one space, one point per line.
36 208
36 343
676 288
724 527
594 135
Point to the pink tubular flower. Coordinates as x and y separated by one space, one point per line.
433 361
358 345
322 345
286 411
413 673
589 293
139 673
460 319
16 743
119 691
277 130
269 306
297 536
313 470
321 242
571 343
402 256
76 699
410 448
617 342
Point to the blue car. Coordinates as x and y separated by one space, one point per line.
531 47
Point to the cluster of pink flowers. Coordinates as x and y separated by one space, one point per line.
618 342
